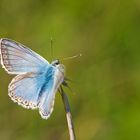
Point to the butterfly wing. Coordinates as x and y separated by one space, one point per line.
38 81
17 59
25 88
54 78
33 90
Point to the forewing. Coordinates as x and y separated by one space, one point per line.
46 101
17 59
24 89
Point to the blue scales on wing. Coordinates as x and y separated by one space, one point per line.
17 59
36 90
24 89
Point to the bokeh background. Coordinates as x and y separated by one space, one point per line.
105 101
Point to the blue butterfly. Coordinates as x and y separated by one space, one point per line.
37 80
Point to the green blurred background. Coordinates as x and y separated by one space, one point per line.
106 79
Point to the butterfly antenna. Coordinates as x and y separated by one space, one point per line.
71 57
51 44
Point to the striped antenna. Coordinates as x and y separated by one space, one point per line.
71 57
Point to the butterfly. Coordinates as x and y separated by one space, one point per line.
37 80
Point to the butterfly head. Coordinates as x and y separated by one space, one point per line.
57 64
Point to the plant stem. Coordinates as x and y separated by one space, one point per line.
68 114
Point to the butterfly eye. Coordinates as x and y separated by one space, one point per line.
56 63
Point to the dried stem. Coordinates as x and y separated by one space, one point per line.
68 114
